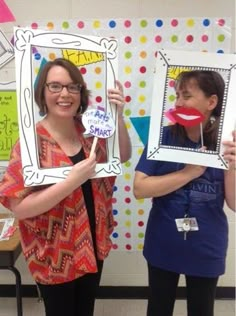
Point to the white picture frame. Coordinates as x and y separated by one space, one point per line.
27 39
167 60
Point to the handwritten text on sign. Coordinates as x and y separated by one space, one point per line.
98 123
8 123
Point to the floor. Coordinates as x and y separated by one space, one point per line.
31 306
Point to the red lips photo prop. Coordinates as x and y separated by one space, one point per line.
185 116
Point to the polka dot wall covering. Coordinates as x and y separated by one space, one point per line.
139 39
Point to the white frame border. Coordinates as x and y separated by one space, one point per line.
24 40
195 60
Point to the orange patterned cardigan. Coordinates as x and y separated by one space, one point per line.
58 245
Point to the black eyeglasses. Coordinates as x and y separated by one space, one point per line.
56 87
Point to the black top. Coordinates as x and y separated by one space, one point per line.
88 196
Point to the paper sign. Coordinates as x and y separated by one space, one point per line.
5 227
5 13
9 130
98 123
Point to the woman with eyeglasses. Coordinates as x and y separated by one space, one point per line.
65 227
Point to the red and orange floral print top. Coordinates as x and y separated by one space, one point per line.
58 244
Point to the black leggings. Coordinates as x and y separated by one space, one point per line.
75 298
162 293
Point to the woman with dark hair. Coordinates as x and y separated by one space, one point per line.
212 86
65 227
187 229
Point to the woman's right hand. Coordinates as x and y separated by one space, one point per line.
83 170
194 171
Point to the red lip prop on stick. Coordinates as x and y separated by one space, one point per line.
187 116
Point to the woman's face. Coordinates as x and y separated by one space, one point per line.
61 104
191 96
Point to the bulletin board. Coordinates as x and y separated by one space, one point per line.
138 41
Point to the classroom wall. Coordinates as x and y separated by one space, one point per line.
121 268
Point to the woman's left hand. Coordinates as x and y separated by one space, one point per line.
230 152
116 96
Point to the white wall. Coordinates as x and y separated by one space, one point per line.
121 268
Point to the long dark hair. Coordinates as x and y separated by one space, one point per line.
76 77
211 83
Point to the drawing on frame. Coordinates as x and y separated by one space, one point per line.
90 49
6 50
169 65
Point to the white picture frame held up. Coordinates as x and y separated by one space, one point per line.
168 65
25 41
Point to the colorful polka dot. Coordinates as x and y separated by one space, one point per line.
221 37
127 176
174 22
172 98
80 24
141 235
83 70
98 85
98 70
142 69
143 54
143 23
143 39
98 99
128 247
96 24
142 112
221 22
127 100
140 247
50 25
128 39
159 23
112 24
140 212
127 23
127 188
65 25
174 38
158 39
52 56
128 70
127 164
128 212
142 84
206 22
190 23
37 56
34 25
204 38
189 38
128 55
115 212
127 84
115 235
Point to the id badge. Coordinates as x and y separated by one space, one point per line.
182 223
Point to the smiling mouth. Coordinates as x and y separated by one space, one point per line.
64 104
